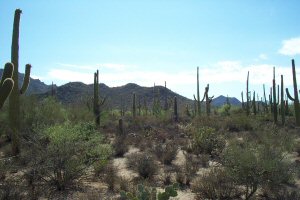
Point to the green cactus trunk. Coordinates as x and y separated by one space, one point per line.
134 105
282 104
198 95
274 98
96 98
266 104
14 98
296 98
175 109
247 96
254 103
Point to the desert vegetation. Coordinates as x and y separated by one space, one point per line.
158 150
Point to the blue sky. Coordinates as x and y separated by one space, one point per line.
147 41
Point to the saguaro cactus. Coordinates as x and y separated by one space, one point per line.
208 100
282 104
275 101
254 103
14 98
97 102
198 95
175 109
134 105
296 98
247 95
6 84
265 104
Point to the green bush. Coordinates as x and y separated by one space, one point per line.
206 141
63 152
254 166
216 184
143 163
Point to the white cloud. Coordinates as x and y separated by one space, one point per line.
220 72
263 56
290 47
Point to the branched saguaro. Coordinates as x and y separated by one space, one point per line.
96 100
296 98
14 98
208 100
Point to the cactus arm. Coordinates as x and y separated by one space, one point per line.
26 79
195 98
5 90
8 72
289 95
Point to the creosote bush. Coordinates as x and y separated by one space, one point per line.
206 141
216 184
166 152
63 152
143 163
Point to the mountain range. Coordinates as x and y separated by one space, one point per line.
116 97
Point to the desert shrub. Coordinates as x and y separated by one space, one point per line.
110 176
206 141
237 123
143 163
165 153
191 166
120 146
216 184
254 166
63 152
224 110
42 113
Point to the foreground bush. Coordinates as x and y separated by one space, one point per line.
143 163
257 166
216 184
206 141
61 153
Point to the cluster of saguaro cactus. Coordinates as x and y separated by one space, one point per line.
14 98
208 100
296 98
6 84
96 100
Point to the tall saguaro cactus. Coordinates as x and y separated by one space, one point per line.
282 104
247 95
175 109
208 100
97 102
198 95
134 105
6 84
296 98
14 98
275 101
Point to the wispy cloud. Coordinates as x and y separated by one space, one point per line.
290 47
94 67
220 72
